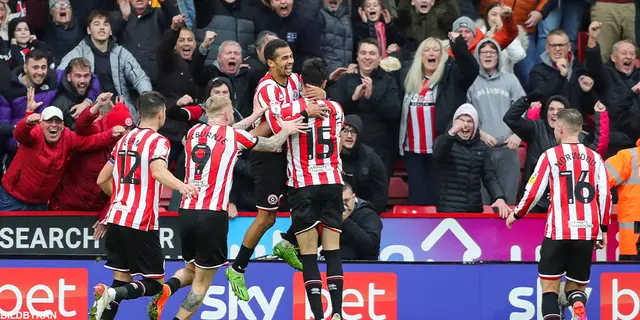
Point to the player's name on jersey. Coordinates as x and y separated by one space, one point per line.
576 156
210 136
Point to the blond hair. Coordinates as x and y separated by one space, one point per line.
415 77
215 104
572 118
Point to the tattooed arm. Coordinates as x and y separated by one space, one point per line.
245 123
286 128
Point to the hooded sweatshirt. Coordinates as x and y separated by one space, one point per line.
492 95
463 167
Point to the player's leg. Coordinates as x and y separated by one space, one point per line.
331 218
287 248
117 260
551 268
183 277
199 287
304 220
578 274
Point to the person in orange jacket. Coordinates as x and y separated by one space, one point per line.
472 35
623 171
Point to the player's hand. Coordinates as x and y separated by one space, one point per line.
99 230
513 142
209 37
188 191
586 83
601 244
599 107
233 210
184 100
503 208
32 105
117 131
315 110
358 93
368 87
33 119
293 126
313 92
511 219
594 30
490 140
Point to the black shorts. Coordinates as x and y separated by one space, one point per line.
571 258
137 252
269 171
203 234
313 205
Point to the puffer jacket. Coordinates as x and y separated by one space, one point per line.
78 190
463 167
539 137
336 40
231 21
522 8
38 167
125 70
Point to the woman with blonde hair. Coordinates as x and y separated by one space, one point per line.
435 85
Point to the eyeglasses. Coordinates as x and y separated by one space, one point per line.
557 45
488 53
62 5
349 131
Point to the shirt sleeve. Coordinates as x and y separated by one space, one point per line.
112 157
245 140
536 186
194 112
161 150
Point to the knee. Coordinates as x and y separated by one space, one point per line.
266 220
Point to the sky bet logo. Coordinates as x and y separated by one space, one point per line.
620 296
366 295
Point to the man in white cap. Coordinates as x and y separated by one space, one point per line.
466 27
44 148
464 165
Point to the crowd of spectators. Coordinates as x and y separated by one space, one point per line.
452 88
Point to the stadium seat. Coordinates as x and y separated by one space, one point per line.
583 37
522 155
414 209
399 170
398 191
165 197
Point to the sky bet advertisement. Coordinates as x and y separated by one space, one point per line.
49 289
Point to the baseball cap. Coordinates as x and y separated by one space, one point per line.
119 116
50 112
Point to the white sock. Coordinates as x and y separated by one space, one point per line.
111 294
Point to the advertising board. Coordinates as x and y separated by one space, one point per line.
403 239
372 291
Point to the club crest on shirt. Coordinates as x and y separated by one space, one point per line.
295 95
275 108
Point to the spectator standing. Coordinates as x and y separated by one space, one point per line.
115 66
138 27
618 20
78 190
373 95
434 85
568 17
230 20
76 91
363 166
618 83
361 228
175 81
472 35
517 50
22 41
336 41
464 165
82 8
560 73
376 22
422 19
492 94
538 134
188 8
45 149
256 61
229 64
294 25
59 28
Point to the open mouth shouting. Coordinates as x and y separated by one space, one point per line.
333 4
373 14
284 10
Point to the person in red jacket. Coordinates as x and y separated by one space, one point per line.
78 190
45 146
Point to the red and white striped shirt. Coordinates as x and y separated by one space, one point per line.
269 93
579 193
211 153
313 158
136 194
421 122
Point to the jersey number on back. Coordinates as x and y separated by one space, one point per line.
127 177
200 155
583 191
322 141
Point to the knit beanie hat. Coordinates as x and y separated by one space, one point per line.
464 22
469 110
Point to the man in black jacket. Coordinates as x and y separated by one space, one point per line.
464 165
73 91
255 58
363 166
361 228
373 95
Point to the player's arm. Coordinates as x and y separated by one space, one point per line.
246 123
604 197
274 142
262 130
105 177
159 172
536 187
